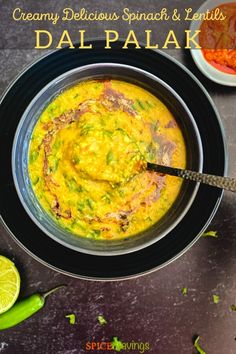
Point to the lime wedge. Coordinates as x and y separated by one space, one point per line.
9 284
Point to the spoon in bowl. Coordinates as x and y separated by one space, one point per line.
226 183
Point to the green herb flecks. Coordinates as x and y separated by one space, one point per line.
89 203
149 104
107 198
70 184
71 318
152 152
97 232
210 234
116 344
138 104
33 156
76 160
110 157
77 223
94 233
121 193
79 188
86 128
197 346
73 186
35 181
233 307
54 166
102 321
80 206
107 133
184 291
57 144
141 104
216 299
154 126
51 110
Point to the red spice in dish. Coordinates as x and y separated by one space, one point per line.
218 40
222 59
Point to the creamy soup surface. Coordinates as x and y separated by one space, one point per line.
88 155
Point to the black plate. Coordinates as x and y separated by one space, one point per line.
51 253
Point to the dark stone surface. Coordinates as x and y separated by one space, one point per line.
147 309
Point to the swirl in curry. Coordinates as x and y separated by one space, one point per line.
88 154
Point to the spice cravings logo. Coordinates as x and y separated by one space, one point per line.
118 346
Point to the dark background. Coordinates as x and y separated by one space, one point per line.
150 308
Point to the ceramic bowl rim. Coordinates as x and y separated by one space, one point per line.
24 117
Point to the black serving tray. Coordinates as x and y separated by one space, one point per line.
81 265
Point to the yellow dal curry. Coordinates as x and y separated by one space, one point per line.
88 154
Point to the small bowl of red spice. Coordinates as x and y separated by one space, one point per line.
217 38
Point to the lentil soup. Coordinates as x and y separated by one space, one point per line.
88 154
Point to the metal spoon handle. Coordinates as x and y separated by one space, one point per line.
216 181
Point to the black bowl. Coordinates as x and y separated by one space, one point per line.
51 253
22 141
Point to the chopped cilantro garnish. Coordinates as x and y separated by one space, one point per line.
86 128
102 321
197 346
35 180
54 166
71 318
33 156
210 233
155 125
110 157
233 307
216 299
57 144
149 104
89 203
141 105
94 233
107 198
80 206
184 291
152 153
116 344
76 160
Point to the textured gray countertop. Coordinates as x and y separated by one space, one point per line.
151 308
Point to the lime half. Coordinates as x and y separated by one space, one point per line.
9 284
